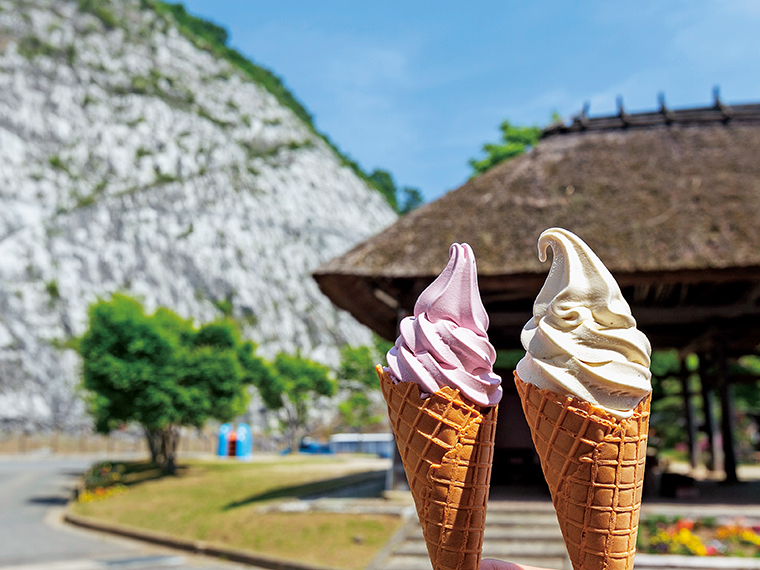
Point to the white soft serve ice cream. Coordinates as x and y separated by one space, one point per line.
582 340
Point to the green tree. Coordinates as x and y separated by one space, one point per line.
381 347
162 372
514 142
383 181
746 397
747 394
291 389
667 420
403 200
357 412
409 199
358 380
357 367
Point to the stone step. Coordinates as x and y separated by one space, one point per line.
423 563
504 550
556 562
521 519
524 532
529 533
503 524
552 536
494 506
513 550
521 512
642 562
520 507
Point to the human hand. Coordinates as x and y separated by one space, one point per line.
492 564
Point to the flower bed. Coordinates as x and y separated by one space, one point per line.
709 536
102 481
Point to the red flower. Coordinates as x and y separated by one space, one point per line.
688 524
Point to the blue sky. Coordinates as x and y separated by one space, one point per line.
417 87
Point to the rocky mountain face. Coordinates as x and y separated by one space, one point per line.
133 160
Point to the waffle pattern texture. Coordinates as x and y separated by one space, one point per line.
594 465
446 445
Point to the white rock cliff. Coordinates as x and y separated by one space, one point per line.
132 160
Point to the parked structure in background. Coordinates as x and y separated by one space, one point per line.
235 442
374 443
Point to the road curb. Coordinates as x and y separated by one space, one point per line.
194 546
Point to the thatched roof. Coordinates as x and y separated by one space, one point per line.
670 201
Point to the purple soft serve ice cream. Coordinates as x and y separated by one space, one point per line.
445 343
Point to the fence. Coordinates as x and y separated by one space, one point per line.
191 441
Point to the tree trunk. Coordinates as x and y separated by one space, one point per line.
292 428
295 434
152 436
296 438
163 447
169 444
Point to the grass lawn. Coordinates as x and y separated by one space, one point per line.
225 502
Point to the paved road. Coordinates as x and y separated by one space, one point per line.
33 492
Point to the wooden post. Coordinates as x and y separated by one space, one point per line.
715 462
728 426
691 428
395 479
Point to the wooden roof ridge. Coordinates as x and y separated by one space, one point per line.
718 112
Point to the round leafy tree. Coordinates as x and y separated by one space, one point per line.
293 389
162 372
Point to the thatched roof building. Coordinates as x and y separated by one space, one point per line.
669 200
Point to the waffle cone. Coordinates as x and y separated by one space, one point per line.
594 465
446 446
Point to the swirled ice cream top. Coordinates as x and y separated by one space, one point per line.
582 339
445 343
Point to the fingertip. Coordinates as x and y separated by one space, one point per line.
493 564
